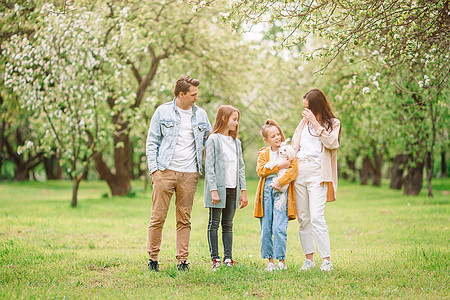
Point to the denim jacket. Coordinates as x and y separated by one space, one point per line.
163 134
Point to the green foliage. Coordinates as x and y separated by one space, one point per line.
397 31
383 245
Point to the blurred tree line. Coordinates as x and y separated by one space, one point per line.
80 83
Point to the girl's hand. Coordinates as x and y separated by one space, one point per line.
215 197
284 164
276 185
308 115
243 201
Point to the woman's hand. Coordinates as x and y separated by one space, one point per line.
284 164
276 185
215 197
308 115
243 201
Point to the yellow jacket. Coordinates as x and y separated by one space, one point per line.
288 177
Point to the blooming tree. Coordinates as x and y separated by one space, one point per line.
158 42
16 17
57 77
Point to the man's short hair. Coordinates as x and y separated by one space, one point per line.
184 83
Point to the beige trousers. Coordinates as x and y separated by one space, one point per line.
165 183
310 197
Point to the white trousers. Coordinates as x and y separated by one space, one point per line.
311 197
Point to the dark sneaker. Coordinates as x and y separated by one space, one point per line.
229 262
183 266
153 265
215 263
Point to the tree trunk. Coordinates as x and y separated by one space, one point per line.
133 176
49 167
366 170
398 165
21 173
429 159
85 175
443 165
52 168
429 167
351 167
119 187
76 184
120 182
414 180
378 167
122 159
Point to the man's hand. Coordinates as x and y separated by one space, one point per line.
243 201
215 197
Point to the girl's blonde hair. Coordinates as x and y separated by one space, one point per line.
223 115
270 123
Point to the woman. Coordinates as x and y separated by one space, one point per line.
316 141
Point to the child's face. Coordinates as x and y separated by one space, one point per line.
233 122
273 137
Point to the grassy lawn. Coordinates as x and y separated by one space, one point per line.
383 245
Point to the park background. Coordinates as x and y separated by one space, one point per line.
80 81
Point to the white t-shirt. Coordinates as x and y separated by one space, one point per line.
184 158
310 145
229 157
273 156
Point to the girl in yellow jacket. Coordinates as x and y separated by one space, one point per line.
273 221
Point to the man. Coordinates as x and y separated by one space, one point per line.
177 134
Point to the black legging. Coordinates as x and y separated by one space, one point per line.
227 214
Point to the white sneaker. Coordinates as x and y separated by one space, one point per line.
326 266
281 266
215 263
308 264
229 262
270 267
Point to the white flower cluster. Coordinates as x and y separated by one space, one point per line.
57 74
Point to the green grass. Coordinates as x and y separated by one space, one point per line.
383 245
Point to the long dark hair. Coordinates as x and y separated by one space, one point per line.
320 107
223 115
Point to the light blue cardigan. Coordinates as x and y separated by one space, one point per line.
215 178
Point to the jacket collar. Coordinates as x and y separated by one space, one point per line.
175 107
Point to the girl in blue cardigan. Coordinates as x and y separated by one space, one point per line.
225 187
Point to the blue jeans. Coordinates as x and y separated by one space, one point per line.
273 223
